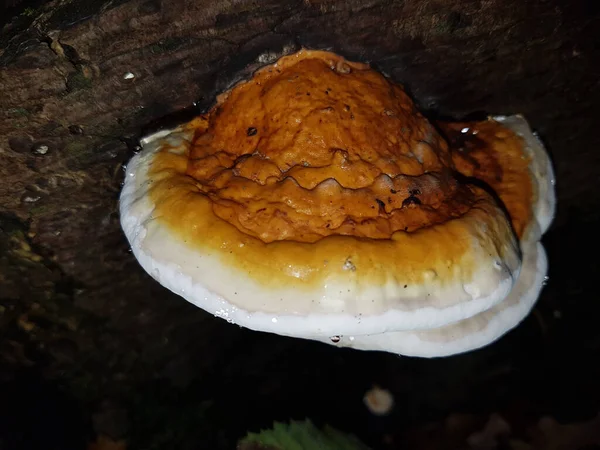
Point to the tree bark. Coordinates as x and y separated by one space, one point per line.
82 80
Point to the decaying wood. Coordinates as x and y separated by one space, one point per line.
81 80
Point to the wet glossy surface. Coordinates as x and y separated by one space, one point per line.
316 146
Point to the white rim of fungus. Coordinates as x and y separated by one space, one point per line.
469 334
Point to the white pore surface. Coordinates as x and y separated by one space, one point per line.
341 305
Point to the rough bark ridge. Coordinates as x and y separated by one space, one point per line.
80 80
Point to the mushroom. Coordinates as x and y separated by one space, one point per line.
319 203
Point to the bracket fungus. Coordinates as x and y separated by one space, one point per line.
315 201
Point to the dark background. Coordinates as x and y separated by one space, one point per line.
89 344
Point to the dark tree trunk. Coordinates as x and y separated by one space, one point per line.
80 80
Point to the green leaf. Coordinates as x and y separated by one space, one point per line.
300 435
